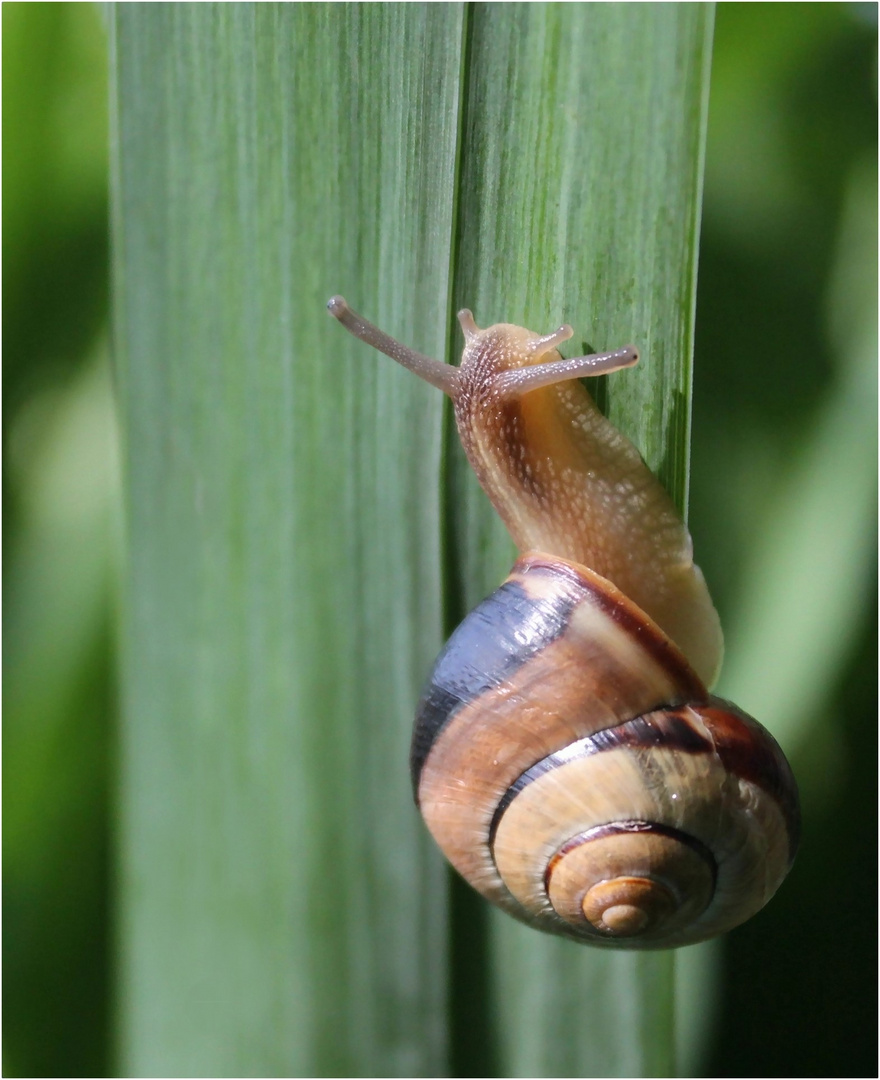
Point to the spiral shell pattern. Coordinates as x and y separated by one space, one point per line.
575 770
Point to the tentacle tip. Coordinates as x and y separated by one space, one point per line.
466 319
337 306
546 342
632 354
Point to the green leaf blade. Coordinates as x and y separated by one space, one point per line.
582 154
293 550
265 159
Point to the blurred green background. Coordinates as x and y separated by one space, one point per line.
783 512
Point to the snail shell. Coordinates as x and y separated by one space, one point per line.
567 756
556 786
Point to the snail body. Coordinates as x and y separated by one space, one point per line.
567 755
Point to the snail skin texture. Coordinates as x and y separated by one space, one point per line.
567 755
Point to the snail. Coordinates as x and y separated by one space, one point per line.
567 755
